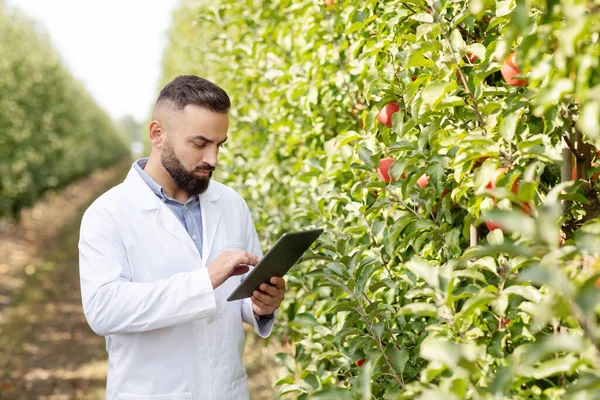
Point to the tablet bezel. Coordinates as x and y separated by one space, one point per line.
242 289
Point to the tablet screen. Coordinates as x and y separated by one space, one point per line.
277 262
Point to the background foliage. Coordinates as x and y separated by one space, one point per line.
51 131
409 278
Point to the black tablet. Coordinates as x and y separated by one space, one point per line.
278 260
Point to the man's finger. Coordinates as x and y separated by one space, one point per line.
265 298
250 258
278 282
269 289
260 308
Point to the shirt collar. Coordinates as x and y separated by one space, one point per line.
158 190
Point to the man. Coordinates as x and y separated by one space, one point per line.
156 254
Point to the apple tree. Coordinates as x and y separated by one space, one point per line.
51 130
448 148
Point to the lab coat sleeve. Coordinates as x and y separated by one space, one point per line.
264 328
113 304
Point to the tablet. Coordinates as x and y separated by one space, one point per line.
278 260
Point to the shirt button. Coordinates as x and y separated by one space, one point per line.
194 237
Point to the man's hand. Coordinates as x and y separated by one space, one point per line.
269 297
227 264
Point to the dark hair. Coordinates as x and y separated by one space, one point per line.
191 89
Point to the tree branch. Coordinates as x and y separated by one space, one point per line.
379 344
384 324
402 203
578 156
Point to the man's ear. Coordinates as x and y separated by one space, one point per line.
157 134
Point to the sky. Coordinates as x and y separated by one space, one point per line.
113 46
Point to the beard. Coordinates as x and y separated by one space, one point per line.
185 180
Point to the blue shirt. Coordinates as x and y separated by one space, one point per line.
189 214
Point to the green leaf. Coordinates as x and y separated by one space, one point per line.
355 27
437 394
549 346
311 380
442 350
436 90
422 309
365 380
528 292
333 394
589 120
513 222
508 125
398 358
365 155
561 365
480 300
422 269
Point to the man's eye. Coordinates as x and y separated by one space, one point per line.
200 145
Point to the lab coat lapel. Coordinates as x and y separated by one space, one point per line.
210 220
145 199
169 222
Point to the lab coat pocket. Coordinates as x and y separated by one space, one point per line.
239 389
174 396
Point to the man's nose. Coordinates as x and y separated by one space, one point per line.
211 158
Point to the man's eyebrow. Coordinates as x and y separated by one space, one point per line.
205 139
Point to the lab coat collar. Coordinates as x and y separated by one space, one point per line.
145 199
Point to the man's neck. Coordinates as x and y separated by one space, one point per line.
155 169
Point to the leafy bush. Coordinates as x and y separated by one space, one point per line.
52 131
409 278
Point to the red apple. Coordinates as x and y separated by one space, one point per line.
361 124
480 161
492 183
491 225
471 57
574 173
360 362
384 169
502 322
509 70
329 3
423 180
385 115
526 208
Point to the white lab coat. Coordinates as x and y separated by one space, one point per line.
169 334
